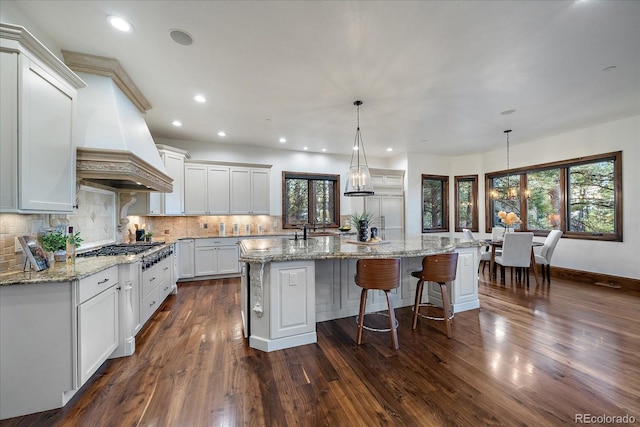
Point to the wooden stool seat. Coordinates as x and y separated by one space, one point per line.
441 269
378 274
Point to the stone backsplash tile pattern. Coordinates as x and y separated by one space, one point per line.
12 226
175 227
96 216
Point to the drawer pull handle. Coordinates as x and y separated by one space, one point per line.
152 279
152 304
166 268
103 281
166 288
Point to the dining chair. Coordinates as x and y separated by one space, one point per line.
497 233
516 252
544 257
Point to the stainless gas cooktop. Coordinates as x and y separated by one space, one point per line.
121 249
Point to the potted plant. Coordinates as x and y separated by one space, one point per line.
148 236
361 222
55 242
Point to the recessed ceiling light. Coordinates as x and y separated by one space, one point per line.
389 149
305 148
507 112
282 140
181 37
120 24
324 150
176 123
222 133
200 98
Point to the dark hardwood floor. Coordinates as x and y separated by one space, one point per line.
533 357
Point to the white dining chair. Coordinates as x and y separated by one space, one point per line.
516 252
546 252
497 234
467 234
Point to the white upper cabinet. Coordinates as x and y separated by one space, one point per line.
37 104
206 189
249 190
218 189
170 203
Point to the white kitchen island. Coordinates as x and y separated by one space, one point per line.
288 285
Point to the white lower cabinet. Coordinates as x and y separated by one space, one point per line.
185 258
213 256
98 326
156 285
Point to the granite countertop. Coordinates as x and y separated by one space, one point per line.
58 272
345 247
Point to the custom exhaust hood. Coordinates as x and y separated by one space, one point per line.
114 145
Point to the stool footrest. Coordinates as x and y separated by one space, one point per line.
368 328
424 316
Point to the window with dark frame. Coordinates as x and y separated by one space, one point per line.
581 197
312 199
435 203
466 202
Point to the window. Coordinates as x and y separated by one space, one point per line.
310 199
466 202
582 197
435 203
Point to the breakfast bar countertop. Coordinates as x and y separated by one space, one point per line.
328 247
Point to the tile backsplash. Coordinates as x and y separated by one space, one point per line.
95 219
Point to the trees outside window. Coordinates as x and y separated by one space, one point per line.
435 203
310 199
466 202
581 197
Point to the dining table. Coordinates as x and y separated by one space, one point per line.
498 244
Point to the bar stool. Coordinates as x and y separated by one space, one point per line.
378 274
440 269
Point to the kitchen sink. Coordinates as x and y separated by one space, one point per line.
322 234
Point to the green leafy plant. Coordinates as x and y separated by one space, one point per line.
55 241
365 216
75 238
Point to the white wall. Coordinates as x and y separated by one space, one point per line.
615 258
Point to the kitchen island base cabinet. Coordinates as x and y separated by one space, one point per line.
276 296
282 305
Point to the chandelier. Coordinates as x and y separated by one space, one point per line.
358 177
511 192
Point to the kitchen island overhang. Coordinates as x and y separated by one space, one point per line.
288 285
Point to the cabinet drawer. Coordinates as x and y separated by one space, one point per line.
218 241
151 278
96 283
150 304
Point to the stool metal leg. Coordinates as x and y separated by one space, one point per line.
392 321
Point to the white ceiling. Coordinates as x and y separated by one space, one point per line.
434 75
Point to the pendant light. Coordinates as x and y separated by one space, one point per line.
511 192
358 177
